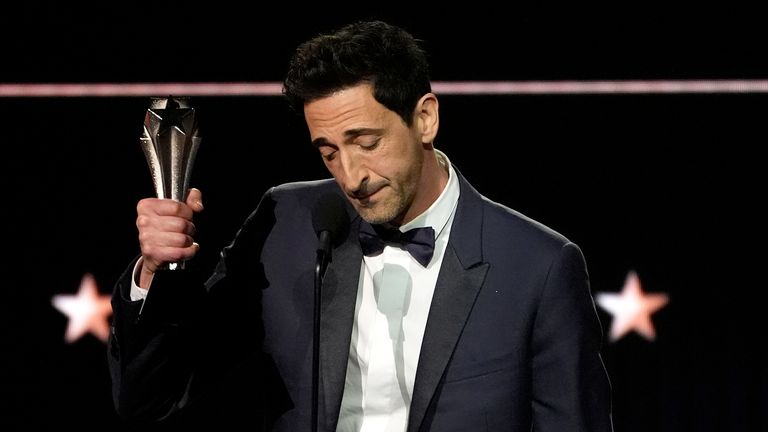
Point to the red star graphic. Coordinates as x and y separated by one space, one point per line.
88 311
632 309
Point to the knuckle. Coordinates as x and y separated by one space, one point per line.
142 221
147 249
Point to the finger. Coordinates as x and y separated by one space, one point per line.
164 207
170 224
195 200
173 248
158 257
153 241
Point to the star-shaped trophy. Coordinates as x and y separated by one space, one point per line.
170 141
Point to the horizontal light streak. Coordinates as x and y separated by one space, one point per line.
30 90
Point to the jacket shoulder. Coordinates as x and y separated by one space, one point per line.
508 224
523 222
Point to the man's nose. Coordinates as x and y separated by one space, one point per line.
355 173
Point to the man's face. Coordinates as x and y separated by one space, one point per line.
374 156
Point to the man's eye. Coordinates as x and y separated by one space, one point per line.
369 144
328 156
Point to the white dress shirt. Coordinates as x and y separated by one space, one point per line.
393 302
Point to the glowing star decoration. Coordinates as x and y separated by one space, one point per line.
88 311
632 309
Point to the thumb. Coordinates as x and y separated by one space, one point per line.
195 200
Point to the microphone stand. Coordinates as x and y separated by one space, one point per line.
323 258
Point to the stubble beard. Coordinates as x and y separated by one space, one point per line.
389 210
382 212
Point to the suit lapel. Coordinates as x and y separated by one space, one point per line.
338 296
461 276
454 296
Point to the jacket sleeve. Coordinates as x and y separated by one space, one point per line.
191 350
571 390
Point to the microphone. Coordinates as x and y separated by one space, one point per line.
331 223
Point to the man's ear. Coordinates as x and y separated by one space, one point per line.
427 117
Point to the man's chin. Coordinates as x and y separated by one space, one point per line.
376 209
372 216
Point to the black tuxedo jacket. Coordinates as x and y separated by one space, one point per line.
512 341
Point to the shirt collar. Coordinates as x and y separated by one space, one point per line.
439 213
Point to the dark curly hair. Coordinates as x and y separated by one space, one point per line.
374 52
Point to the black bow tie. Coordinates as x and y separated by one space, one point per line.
419 242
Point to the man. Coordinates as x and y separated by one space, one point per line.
493 328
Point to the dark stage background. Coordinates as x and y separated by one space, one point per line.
667 185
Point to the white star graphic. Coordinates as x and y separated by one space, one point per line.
88 311
632 309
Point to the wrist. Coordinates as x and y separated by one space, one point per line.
144 276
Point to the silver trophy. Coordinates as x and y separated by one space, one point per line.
170 141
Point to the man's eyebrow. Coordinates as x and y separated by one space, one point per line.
318 142
349 134
354 133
